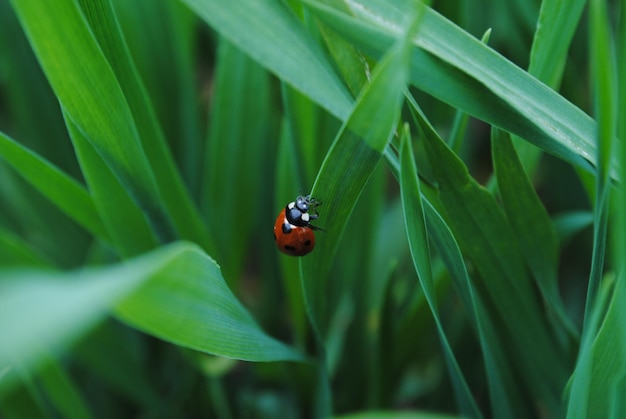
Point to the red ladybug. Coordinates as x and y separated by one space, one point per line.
293 231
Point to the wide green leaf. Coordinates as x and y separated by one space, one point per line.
175 293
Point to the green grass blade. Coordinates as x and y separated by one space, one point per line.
61 390
90 94
420 252
163 39
14 251
188 303
58 187
504 389
601 363
458 69
237 164
126 226
605 103
558 20
348 165
531 223
175 293
487 238
177 200
570 224
283 47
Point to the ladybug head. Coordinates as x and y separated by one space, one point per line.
298 211
303 202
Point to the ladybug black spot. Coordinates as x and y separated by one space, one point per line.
290 248
307 243
286 228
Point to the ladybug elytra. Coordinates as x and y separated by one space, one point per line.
293 231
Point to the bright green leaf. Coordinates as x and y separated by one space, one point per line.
175 293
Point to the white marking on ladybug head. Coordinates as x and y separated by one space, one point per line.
305 217
291 205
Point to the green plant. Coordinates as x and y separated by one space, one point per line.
441 282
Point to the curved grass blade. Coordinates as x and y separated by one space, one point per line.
605 103
420 253
14 251
62 391
271 34
92 98
58 187
348 165
557 22
531 223
175 293
570 224
235 170
458 69
176 198
126 226
504 389
485 235
601 366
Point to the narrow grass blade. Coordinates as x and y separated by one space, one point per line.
458 69
186 219
601 366
570 224
348 165
163 41
126 226
283 47
175 293
14 251
605 104
58 187
420 252
92 98
531 223
557 22
504 389
237 164
62 391
487 238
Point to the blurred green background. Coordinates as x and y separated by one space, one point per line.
147 146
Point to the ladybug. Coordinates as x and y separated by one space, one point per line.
293 231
